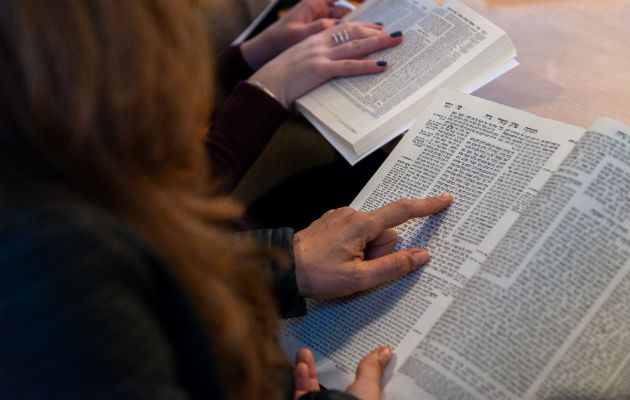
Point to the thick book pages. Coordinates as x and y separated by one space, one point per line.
448 45
498 163
548 314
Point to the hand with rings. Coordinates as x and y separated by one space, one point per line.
334 52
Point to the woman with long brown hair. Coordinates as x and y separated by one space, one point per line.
119 277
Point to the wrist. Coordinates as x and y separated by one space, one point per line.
298 264
252 53
254 82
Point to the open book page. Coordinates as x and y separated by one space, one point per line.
493 159
547 315
439 42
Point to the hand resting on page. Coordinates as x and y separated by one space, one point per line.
318 58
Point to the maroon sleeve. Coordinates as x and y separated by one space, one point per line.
231 67
240 131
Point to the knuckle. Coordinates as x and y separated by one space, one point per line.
402 264
346 210
358 219
325 23
316 43
368 219
403 204
347 215
328 213
359 30
348 66
355 44
356 278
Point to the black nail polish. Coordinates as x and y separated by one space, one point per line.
378 23
339 22
381 63
396 34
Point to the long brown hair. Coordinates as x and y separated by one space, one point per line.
114 96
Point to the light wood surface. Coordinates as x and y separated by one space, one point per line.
574 55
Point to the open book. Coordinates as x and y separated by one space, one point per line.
527 293
448 45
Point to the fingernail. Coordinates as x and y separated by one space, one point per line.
385 355
381 63
339 22
446 196
396 34
419 258
378 23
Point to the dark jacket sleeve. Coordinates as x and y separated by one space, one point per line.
239 132
282 277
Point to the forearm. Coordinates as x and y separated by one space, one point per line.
239 132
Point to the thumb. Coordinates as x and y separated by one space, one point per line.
367 384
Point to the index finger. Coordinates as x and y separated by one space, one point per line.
399 211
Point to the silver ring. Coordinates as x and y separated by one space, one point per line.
340 37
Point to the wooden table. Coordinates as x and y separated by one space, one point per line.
574 55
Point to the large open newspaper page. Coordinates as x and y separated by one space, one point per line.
548 315
441 45
493 159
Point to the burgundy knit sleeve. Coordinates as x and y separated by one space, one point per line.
240 131
231 67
